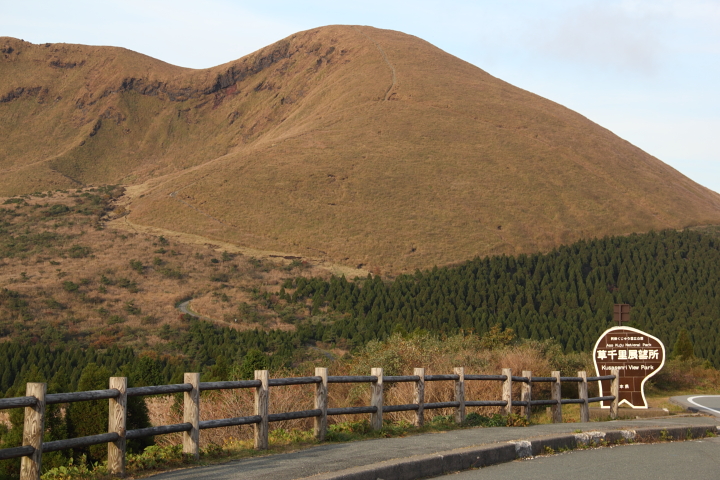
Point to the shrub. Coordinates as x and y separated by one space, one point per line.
115 319
220 277
148 320
137 266
476 420
54 304
78 251
128 284
131 308
171 272
57 209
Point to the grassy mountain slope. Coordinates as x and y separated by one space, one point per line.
358 145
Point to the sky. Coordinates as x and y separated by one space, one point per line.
648 70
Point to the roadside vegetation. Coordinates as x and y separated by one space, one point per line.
79 303
397 355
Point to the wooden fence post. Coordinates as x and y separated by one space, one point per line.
33 430
262 407
583 395
376 399
191 415
615 391
117 422
321 402
556 394
419 397
526 395
460 394
507 390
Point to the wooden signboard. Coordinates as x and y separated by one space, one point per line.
621 313
638 356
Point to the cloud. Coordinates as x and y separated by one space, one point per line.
703 11
605 35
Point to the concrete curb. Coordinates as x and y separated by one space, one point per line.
424 466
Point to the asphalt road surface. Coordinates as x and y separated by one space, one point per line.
696 459
707 404
338 457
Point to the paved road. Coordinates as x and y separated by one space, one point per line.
338 457
184 307
707 404
696 459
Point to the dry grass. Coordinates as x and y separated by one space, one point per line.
100 295
398 356
301 154
5 418
681 377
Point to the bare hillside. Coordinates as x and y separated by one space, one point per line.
357 145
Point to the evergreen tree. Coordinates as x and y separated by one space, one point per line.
90 418
254 360
683 349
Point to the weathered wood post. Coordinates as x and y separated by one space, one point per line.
583 395
117 422
507 390
262 407
460 394
556 394
419 397
191 415
321 402
526 395
615 391
376 399
33 430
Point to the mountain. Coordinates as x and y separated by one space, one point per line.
351 144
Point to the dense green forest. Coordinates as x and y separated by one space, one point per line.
200 346
671 279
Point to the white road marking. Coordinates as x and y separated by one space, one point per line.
692 400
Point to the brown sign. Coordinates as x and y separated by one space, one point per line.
621 313
636 354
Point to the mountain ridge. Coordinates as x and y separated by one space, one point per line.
357 145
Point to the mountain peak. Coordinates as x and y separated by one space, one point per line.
348 143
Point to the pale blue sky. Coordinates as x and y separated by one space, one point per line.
649 70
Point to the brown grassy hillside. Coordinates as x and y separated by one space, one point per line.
64 277
352 144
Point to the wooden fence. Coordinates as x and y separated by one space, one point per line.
36 399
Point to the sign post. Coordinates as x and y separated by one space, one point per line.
636 354
621 313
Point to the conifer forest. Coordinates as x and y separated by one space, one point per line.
670 278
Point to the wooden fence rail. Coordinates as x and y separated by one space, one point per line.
36 400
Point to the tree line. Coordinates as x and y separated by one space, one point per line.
670 278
